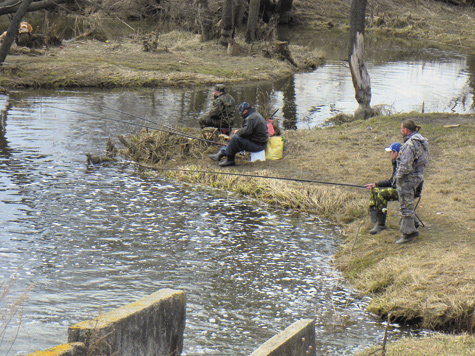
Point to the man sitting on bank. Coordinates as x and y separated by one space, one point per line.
221 113
383 192
252 137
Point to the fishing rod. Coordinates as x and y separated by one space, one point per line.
140 125
251 176
144 119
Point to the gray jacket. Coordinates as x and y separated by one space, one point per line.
413 156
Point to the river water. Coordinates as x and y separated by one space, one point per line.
90 239
85 240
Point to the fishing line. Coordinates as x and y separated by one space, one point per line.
140 125
202 139
251 176
144 119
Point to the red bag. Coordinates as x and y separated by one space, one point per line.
270 128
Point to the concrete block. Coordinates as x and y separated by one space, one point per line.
296 340
151 326
72 349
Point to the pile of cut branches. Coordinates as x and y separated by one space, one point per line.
159 147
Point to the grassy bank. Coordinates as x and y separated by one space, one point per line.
181 59
428 283
434 23
463 345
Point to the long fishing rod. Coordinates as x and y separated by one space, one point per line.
251 176
144 119
140 125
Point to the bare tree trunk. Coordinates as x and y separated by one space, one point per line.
227 22
204 19
239 11
359 73
251 34
12 30
283 9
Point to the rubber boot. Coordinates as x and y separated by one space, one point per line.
229 162
380 223
217 156
408 230
373 213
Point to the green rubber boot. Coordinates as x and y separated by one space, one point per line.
380 223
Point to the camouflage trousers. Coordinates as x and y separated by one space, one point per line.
406 187
379 198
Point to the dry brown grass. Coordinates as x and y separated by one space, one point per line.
429 283
326 202
10 311
438 344
430 21
180 59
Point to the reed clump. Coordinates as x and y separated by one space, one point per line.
159 147
326 202
10 310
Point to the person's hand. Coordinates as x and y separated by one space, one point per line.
235 132
370 185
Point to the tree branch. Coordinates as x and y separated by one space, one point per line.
11 6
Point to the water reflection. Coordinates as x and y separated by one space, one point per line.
94 239
404 79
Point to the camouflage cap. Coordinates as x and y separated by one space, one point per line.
220 87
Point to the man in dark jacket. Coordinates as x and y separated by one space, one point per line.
382 192
252 137
222 109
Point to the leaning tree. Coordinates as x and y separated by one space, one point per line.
359 73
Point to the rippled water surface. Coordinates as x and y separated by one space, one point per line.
91 239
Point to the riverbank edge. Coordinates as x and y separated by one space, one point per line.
361 255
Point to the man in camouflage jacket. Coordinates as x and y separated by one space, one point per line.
221 113
412 160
